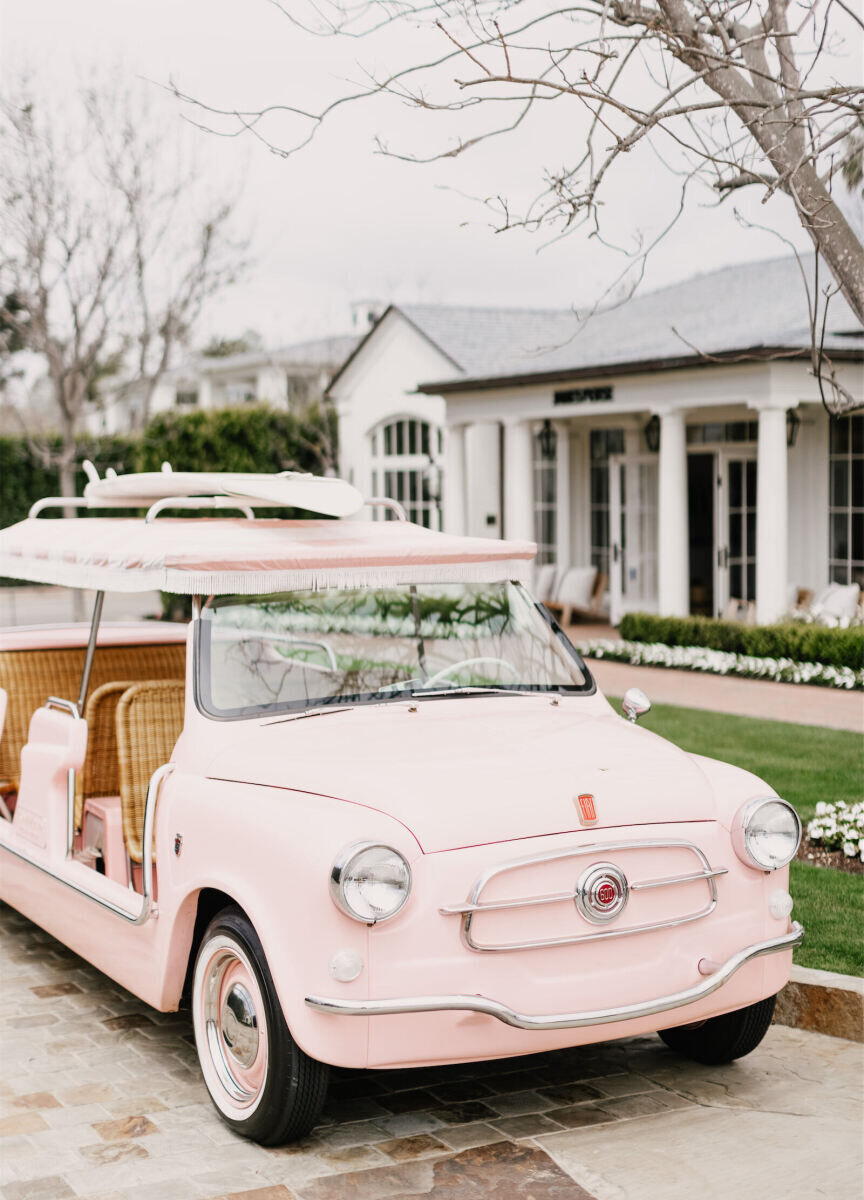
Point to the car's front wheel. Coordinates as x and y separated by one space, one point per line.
721 1039
261 1082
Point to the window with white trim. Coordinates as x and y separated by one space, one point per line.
405 457
546 497
603 442
846 500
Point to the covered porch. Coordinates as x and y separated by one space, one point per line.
666 502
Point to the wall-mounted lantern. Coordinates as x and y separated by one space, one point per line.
547 439
652 434
793 424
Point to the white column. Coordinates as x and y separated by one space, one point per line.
455 482
518 482
205 393
771 516
562 498
673 555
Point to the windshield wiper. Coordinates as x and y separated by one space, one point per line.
312 712
471 689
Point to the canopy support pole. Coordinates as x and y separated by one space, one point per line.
91 650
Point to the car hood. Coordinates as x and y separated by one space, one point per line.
465 771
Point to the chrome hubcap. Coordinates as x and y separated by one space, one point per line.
230 1022
240 1026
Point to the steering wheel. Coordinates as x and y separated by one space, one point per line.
441 676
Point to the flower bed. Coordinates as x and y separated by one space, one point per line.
722 662
839 826
787 640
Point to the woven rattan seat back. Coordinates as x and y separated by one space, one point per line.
101 772
149 722
31 676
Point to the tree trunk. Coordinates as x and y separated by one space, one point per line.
831 234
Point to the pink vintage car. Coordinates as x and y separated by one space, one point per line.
478 859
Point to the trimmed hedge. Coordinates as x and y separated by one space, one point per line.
251 438
23 478
789 639
254 438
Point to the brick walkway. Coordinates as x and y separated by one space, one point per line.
799 703
101 1100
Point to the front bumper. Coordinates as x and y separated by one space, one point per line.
494 1008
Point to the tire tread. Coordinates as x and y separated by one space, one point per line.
725 1038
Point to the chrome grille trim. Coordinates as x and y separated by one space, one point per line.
474 905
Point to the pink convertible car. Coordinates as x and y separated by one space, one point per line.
368 808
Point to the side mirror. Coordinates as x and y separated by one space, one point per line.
635 703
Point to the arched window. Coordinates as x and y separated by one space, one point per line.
405 457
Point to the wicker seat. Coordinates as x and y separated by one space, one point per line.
149 722
29 677
101 772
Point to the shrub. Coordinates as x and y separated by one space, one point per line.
253 438
794 640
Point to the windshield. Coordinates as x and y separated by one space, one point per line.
307 649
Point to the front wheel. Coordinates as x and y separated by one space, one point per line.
262 1084
724 1038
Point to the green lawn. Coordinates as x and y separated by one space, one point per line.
804 764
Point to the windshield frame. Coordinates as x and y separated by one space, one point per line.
287 709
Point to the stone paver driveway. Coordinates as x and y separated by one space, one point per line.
101 1099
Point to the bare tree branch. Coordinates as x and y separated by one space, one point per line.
105 246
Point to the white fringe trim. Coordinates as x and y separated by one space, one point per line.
255 583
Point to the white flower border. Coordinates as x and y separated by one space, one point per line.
721 662
839 826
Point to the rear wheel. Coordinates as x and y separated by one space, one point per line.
262 1084
724 1038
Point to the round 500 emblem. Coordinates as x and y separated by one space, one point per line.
601 893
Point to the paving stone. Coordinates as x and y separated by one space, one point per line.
46 1187
129 1021
37 1100
34 1022
502 1171
102 1153
581 1114
25 1122
515 1103
83 1114
350 1157
276 1192
460 1114
623 1085
642 1105
114 1131
412 1101
527 1126
355 1133
47 991
406 1124
419 1146
88 1093
571 1093
464 1137
354 1110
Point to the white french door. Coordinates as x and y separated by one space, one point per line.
632 534
735 580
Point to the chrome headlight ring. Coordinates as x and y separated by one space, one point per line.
766 833
370 882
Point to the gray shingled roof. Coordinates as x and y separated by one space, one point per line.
320 352
741 308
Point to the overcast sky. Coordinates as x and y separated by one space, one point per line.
339 223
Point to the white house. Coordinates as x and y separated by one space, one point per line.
677 442
290 377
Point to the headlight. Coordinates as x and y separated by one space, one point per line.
370 882
766 833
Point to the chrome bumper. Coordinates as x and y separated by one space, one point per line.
493 1008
